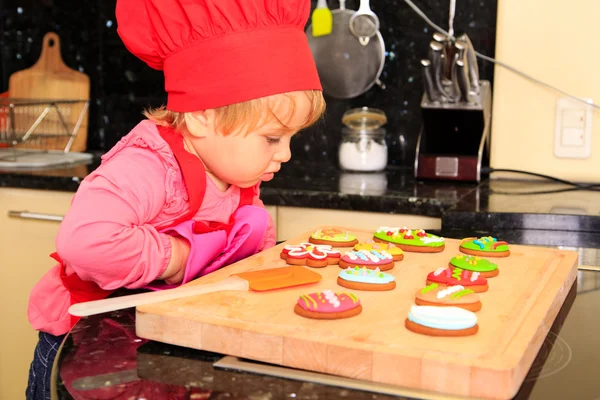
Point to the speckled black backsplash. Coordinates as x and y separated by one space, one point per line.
122 85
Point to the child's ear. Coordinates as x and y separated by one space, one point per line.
199 123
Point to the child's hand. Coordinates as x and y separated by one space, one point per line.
180 251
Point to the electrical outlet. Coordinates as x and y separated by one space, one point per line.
573 129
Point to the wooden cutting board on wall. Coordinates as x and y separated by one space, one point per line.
518 310
51 79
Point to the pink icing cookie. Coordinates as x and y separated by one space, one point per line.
328 305
370 259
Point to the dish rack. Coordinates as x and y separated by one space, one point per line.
40 124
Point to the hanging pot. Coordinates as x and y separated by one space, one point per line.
346 67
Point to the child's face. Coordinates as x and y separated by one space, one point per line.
245 160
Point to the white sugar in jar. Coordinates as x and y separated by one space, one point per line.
363 147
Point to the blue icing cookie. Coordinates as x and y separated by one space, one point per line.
447 318
365 275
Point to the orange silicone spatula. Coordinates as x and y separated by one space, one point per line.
261 280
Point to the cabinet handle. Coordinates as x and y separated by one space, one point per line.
34 215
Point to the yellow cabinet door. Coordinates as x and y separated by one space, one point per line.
25 245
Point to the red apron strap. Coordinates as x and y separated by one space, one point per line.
194 177
192 169
246 199
247 196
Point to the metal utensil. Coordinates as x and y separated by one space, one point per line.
447 56
459 55
471 63
462 80
364 24
435 56
428 84
346 68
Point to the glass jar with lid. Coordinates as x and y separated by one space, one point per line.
363 146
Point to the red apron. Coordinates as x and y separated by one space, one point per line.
194 177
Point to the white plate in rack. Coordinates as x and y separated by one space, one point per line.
23 158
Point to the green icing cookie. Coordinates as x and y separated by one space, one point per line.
486 243
397 235
473 263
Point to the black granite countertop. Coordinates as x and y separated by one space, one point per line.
532 212
300 185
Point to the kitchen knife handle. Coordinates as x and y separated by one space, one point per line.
462 80
428 84
472 66
118 303
435 56
447 55
439 37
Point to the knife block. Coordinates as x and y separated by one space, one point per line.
453 143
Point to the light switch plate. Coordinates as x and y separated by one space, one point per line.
573 128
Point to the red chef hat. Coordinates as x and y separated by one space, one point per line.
220 52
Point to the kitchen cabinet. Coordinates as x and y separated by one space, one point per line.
293 221
272 210
25 245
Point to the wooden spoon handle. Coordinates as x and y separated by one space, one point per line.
134 300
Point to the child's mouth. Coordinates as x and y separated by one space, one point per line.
267 177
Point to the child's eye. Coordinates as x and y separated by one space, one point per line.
273 140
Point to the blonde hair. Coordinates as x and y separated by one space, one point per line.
248 115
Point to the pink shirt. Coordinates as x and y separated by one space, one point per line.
111 233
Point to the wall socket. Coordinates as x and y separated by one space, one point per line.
573 128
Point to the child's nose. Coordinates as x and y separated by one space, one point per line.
284 154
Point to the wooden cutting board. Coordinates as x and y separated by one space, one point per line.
50 79
517 313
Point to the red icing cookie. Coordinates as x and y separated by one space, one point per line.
312 255
456 276
370 259
328 305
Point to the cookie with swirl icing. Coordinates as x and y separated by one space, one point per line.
328 305
448 296
369 259
311 255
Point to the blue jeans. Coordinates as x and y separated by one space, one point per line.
38 387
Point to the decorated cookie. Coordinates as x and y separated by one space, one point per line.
486 246
456 276
475 264
334 237
312 255
441 321
328 305
448 296
410 240
395 251
367 258
365 279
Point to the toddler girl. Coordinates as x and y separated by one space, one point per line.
178 197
